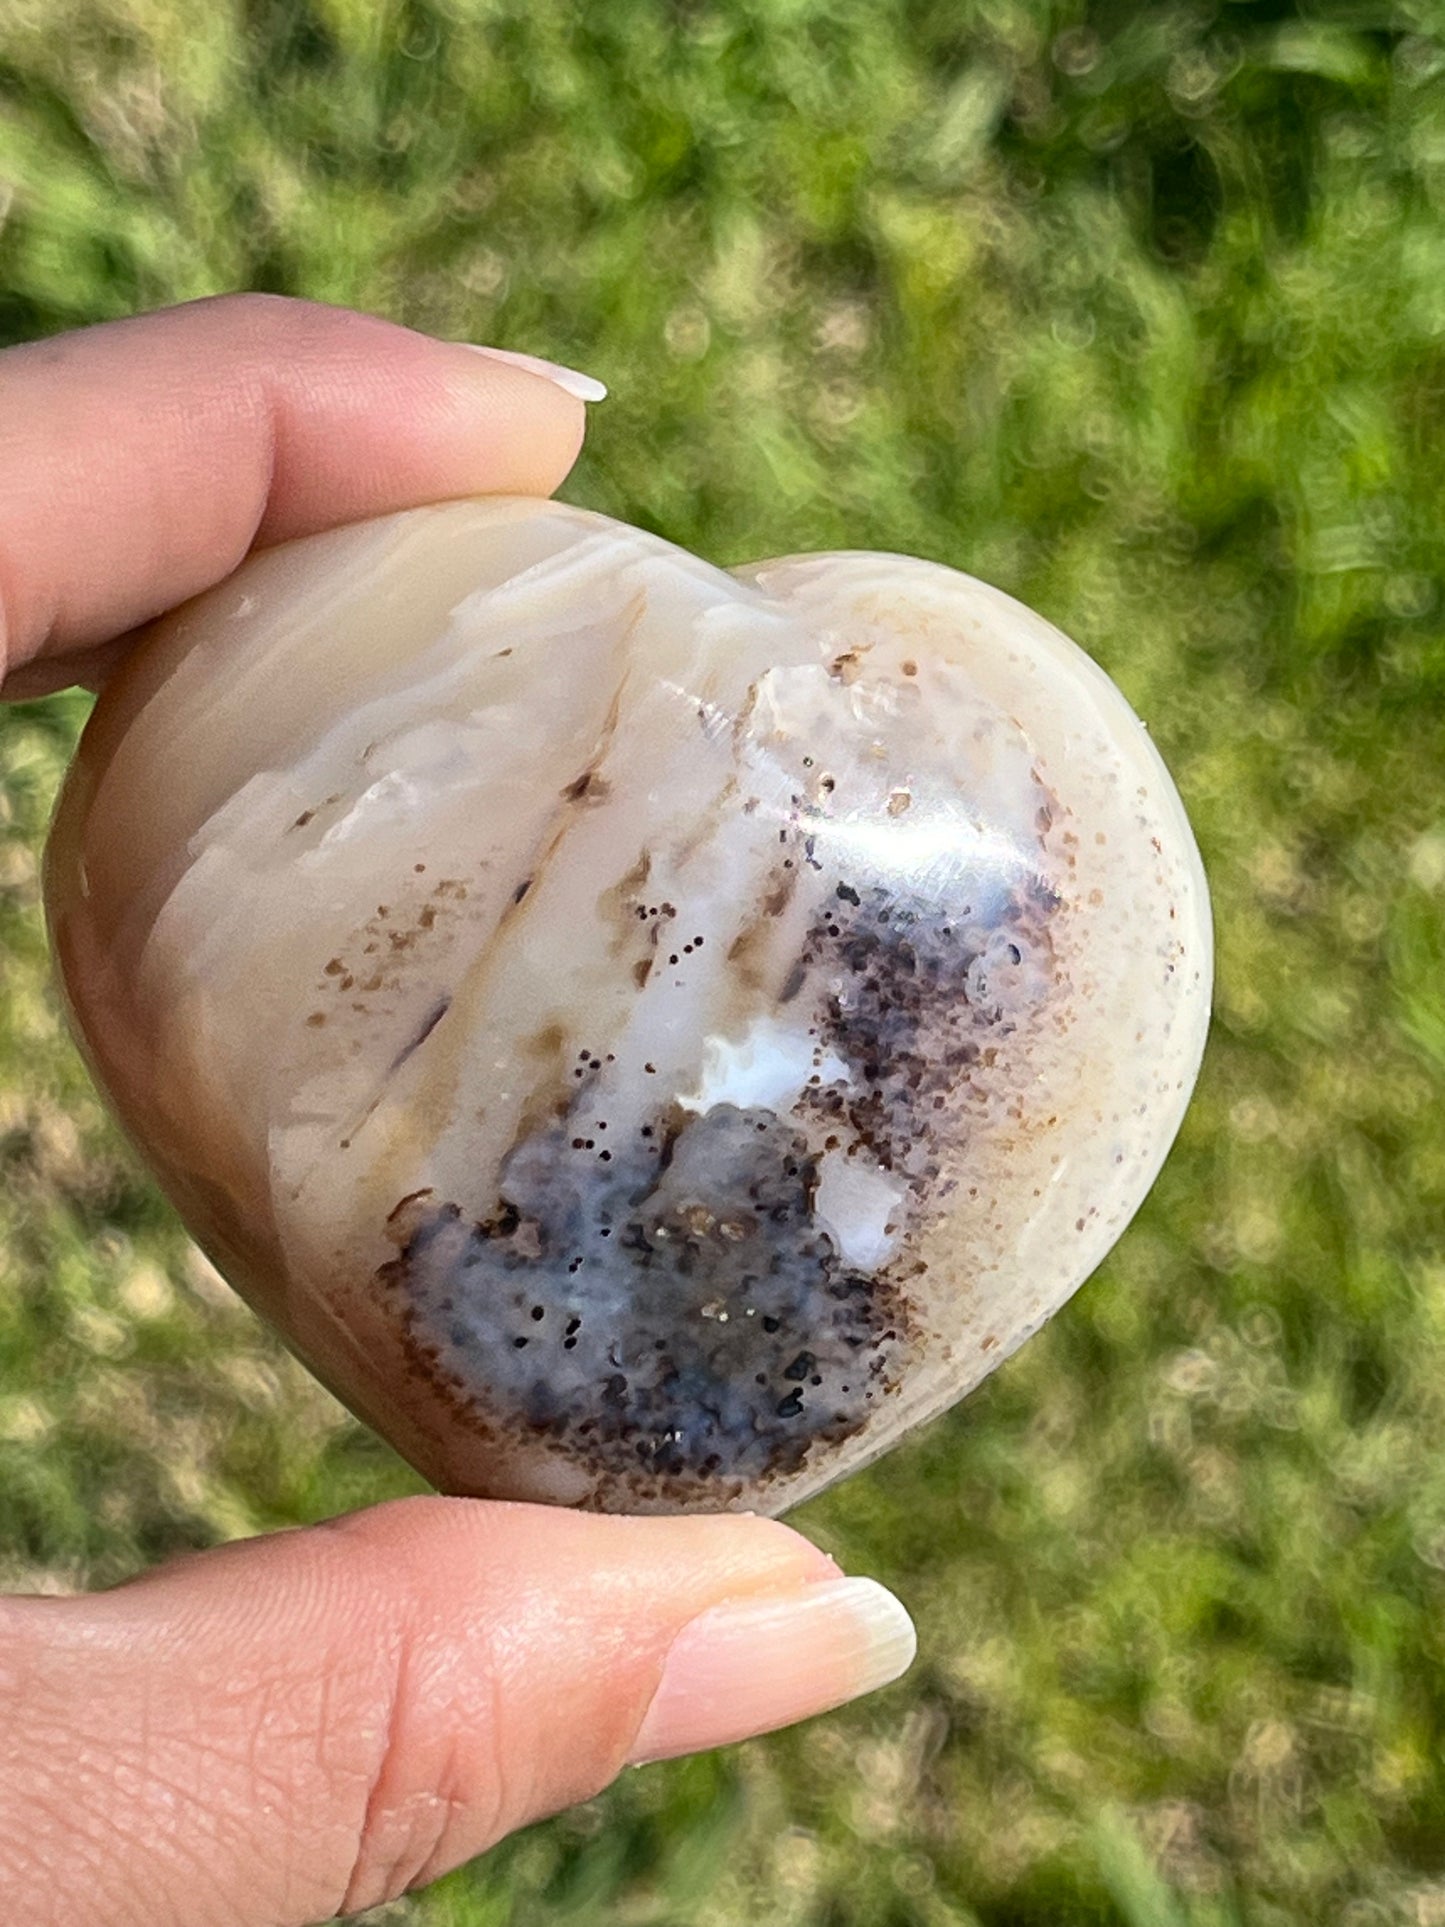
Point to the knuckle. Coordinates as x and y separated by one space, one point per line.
437 1791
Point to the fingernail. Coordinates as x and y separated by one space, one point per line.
750 1665
584 387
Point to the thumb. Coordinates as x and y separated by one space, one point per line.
309 1724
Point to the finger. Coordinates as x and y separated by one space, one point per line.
141 459
312 1723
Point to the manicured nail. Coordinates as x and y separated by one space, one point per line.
584 387
750 1665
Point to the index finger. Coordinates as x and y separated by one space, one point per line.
140 460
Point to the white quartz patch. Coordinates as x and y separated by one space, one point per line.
861 1207
767 1068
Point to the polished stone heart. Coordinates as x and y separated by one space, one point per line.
646 1036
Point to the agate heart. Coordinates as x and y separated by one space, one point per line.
646 1036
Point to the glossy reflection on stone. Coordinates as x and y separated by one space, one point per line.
646 1036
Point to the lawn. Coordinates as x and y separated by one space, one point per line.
1138 311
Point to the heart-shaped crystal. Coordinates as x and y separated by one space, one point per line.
646 1036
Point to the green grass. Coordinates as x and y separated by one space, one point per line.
1138 311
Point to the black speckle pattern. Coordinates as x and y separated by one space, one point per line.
921 1005
674 1317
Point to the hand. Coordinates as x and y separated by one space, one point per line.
285 1729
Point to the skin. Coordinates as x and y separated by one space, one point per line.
285 1729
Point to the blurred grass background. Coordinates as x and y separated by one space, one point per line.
1138 311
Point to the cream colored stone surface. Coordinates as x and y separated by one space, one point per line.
646 1036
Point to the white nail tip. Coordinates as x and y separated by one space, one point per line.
584 387
886 1636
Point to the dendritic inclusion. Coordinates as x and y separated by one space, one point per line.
646 1036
